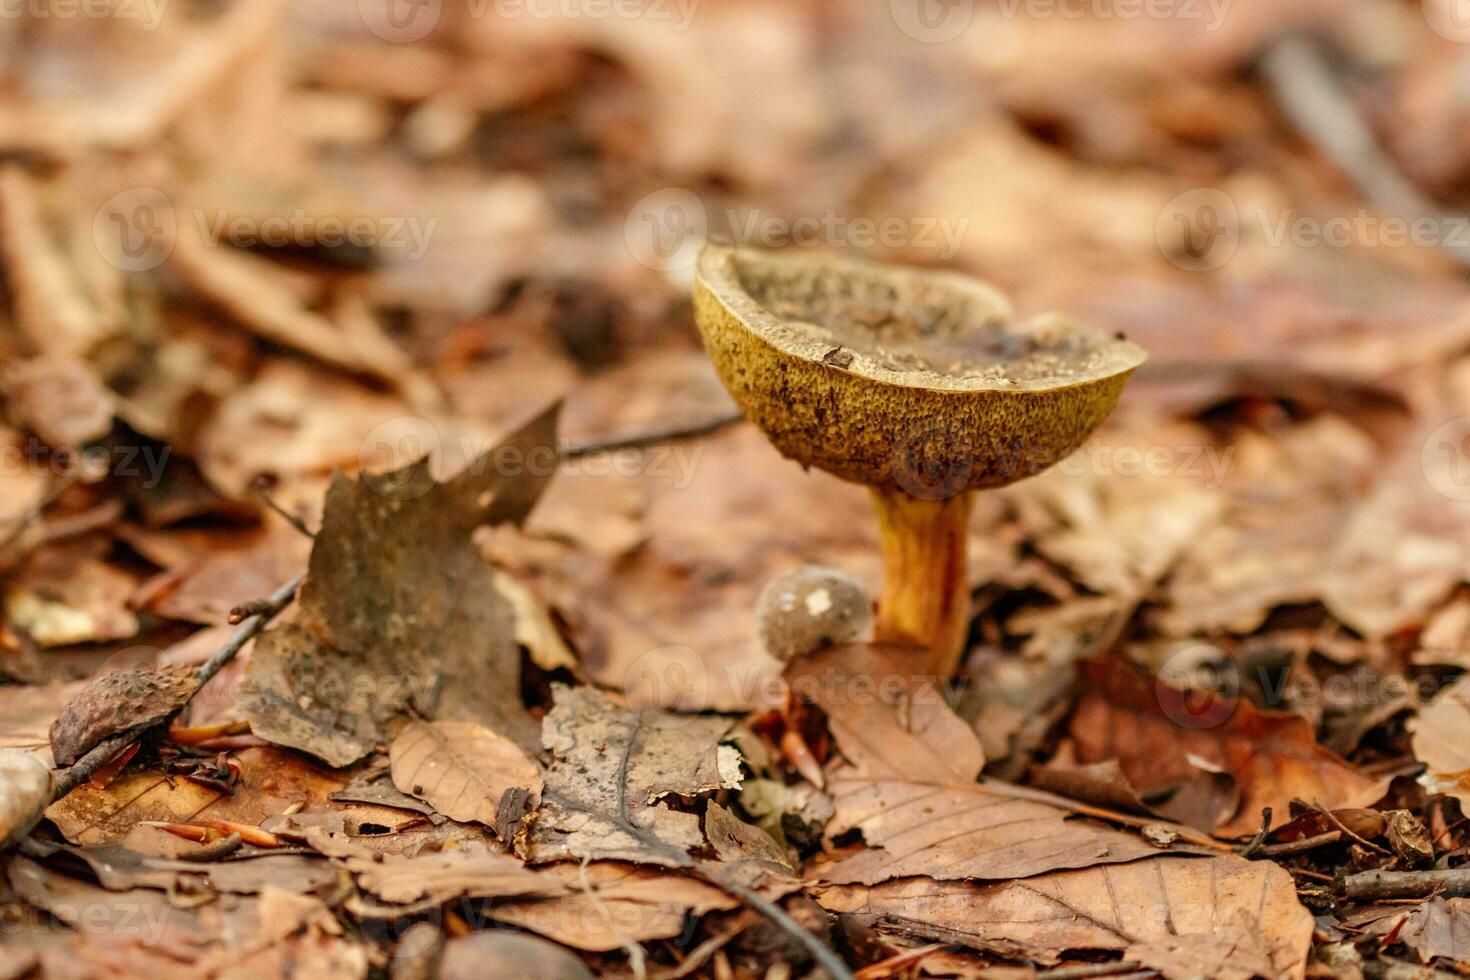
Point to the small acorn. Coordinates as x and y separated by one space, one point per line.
811 607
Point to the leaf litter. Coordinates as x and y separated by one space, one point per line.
345 668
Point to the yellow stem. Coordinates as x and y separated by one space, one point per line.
926 592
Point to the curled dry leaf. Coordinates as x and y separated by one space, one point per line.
611 766
748 853
1221 917
25 789
890 720
462 769
115 703
399 611
1155 731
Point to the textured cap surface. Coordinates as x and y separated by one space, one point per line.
890 376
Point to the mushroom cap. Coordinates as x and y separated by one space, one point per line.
898 377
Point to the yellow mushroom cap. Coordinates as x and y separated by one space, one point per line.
898 377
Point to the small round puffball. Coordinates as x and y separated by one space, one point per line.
809 607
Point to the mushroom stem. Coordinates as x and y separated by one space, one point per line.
926 593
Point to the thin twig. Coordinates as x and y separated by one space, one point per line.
645 439
262 490
1299 846
1348 833
63 781
1375 885
1260 838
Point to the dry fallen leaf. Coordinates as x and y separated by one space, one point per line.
400 611
609 904
1437 927
462 769
967 830
1155 732
889 719
452 874
1217 917
611 768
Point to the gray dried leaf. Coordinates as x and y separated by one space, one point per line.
400 613
611 768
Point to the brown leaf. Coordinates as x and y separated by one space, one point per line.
611 767
120 702
748 853
1437 927
1154 732
890 720
270 781
1217 917
508 954
967 830
610 904
1442 740
119 868
461 768
1205 800
399 610
452 874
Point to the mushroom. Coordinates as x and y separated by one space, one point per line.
920 385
